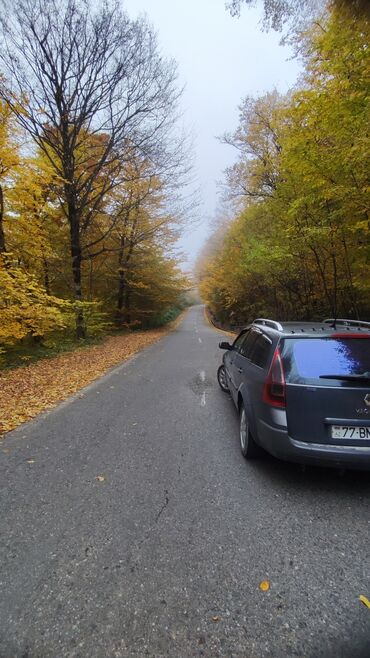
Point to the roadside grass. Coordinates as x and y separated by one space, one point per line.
54 373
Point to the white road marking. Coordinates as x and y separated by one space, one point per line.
202 376
200 340
203 400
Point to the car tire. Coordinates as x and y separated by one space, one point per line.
222 380
249 448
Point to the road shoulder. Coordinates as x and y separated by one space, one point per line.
28 391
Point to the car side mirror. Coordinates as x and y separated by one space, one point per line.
225 346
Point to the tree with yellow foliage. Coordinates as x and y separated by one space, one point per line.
94 90
300 245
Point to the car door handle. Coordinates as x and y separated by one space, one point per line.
240 370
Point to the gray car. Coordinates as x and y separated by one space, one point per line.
302 390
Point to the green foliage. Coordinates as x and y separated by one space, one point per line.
170 313
163 318
301 248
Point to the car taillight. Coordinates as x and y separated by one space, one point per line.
274 389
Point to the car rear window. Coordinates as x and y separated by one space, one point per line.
305 360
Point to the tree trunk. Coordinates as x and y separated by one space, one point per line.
46 275
128 305
2 236
352 289
91 280
121 282
321 272
76 254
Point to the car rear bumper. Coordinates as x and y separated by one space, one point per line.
278 442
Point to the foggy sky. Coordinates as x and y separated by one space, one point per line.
221 59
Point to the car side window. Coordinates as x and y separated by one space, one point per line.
260 350
248 343
239 340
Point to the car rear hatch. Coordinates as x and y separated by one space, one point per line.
327 388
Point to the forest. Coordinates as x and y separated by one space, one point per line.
295 244
92 164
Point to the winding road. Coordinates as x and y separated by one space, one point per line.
131 526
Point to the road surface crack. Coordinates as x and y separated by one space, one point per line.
166 501
133 560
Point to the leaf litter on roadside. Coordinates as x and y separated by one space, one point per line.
29 390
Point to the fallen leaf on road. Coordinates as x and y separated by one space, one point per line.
30 461
216 618
365 601
264 586
100 478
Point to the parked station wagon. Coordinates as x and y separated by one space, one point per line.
302 390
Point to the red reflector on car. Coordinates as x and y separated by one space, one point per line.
274 388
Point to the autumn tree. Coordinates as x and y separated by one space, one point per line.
25 307
325 160
85 71
9 159
257 140
297 14
299 244
277 13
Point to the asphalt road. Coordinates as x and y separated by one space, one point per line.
165 555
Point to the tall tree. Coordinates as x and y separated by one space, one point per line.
300 247
293 18
9 159
257 140
85 71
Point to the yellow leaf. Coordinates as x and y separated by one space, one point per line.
365 601
216 618
264 586
100 478
30 461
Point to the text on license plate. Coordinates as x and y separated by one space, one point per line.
345 432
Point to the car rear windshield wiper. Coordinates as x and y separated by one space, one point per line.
355 377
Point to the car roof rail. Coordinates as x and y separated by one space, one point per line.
347 323
269 323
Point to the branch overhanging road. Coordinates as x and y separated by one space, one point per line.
132 526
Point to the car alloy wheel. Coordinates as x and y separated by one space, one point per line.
247 444
222 379
243 430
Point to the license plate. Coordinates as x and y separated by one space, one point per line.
346 432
